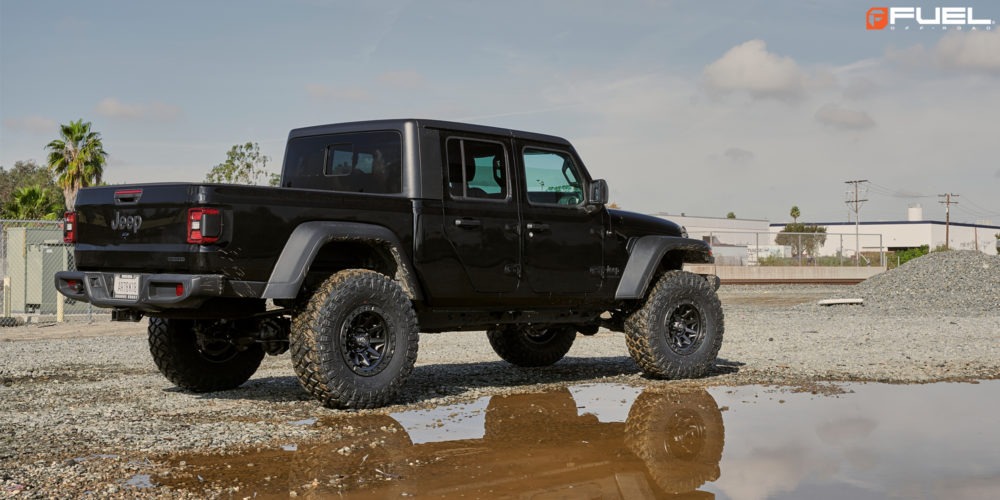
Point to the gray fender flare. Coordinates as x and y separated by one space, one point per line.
309 237
645 257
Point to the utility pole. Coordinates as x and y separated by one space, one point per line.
857 201
947 216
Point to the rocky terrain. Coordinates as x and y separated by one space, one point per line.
83 409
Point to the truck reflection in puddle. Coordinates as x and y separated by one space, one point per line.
582 442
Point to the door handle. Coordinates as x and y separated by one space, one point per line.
537 227
467 223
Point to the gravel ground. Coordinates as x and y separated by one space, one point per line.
83 413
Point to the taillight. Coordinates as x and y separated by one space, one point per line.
69 227
204 225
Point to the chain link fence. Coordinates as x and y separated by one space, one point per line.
733 248
31 252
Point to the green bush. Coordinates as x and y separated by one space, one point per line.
909 254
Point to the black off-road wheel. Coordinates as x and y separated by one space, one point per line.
679 436
355 343
677 332
531 346
199 357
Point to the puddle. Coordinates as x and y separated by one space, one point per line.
615 441
305 421
140 481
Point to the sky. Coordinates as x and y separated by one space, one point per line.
692 107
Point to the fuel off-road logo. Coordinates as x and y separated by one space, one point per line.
918 18
127 225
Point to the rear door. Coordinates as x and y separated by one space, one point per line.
481 211
563 241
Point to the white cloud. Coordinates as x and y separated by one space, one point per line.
324 92
406 79
861 88
843 118
31 123
969 51
751 68
112 107
977 51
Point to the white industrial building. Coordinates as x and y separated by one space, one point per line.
736 242
742 242
905 234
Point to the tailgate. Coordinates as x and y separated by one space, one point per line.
140 227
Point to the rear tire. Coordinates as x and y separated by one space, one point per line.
211 364
355 343
531 346
678 331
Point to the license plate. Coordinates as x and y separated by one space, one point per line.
127 286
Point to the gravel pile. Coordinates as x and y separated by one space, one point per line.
958 282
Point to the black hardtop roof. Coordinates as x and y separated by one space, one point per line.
398 124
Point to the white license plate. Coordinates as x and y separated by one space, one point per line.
126 286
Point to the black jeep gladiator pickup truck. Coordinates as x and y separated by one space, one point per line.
380 230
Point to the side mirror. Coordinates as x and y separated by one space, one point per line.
597 192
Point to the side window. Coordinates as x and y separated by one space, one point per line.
552 178
477 169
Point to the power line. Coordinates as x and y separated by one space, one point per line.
947 215
981 210
897 193
975 214
857 217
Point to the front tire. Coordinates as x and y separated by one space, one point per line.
355 343
679 436
678 331
191 357
528 346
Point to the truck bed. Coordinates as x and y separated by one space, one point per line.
144 227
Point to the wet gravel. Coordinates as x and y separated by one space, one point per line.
93 415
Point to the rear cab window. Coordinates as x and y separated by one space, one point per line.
360 162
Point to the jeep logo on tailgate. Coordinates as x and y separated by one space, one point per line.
128 224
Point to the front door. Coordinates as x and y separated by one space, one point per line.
481 212
563 238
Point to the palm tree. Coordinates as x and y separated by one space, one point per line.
795 213
78 158
33 202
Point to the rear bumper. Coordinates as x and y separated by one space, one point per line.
157 292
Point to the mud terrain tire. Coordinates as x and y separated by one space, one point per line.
177 353
527 347
678 331
679 436
355 343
